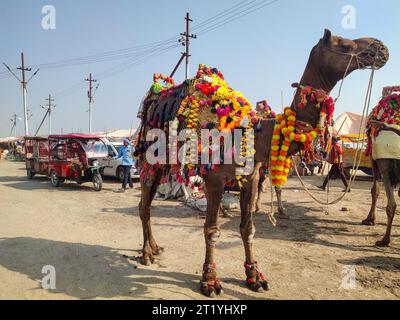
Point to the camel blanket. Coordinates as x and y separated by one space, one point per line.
386 145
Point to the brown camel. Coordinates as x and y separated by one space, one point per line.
387 170
327 65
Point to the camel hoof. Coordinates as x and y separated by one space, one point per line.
383 243
212 291
282 215
259 286
145 262
368 222
158 251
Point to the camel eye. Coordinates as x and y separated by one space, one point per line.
347 47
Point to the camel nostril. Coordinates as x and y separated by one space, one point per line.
376 55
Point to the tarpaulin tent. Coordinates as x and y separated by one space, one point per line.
349 123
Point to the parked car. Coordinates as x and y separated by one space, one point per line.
113 168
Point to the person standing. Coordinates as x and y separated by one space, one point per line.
335 158
127 162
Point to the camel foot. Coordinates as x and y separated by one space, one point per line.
368 222
147 258
211 288
146 261
258 286
255 279
157 250
383 243
281 214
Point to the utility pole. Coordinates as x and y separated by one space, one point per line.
49 107
90 96
23 70
24 82
188 36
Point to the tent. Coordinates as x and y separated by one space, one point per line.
118 134
349 124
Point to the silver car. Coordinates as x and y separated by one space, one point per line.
112 167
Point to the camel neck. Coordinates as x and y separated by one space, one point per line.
317 78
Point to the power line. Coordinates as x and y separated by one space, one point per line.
107 56
236 16
223 13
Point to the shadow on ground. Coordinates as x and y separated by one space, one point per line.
90 271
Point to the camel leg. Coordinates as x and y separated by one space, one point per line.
390 210
210 285
150 247
261 188
281 211
375 192
255 279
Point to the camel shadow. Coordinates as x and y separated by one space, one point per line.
305 229
92 271
385 263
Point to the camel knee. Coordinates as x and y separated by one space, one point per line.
248 232
212 235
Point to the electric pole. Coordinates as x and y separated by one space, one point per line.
24 82
49 107
90 96
187 36
23 70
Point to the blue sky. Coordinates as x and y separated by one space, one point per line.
260 54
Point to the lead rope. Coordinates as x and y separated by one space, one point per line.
271 215
357 156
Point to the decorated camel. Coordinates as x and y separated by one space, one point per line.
384 147
207 102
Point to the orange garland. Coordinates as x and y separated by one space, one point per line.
280 163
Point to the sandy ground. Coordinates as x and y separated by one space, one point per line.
92 239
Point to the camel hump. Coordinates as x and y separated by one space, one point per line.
158 110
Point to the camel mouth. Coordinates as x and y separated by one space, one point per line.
374 56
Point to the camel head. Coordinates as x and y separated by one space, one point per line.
334 58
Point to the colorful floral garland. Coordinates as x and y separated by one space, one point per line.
387 111
233 111
210 93
280 163
157 87
285 130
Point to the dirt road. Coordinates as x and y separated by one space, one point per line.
92 239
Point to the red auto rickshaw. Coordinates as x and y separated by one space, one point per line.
75 157
36 156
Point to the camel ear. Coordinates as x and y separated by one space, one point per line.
327 36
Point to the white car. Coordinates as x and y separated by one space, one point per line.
112 167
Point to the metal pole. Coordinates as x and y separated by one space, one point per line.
90 104
49 114
24 95
90 96
187 45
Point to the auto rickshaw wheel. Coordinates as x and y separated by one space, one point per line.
54 179
97 182
30 174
